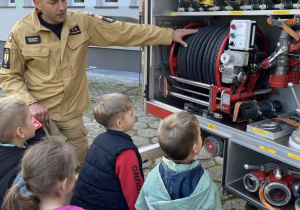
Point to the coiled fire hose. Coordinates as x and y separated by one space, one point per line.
200 61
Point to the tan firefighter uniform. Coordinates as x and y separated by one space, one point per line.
39 67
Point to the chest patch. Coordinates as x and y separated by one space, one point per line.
75 30
6 58
33 39
109 20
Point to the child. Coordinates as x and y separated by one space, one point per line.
48 171
179 181
111 176
16 126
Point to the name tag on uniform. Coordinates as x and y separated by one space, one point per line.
33 39
6 58
109 20
75 30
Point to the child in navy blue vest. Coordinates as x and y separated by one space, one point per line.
112 176
16 127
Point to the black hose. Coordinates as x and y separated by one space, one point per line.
162 66
197 61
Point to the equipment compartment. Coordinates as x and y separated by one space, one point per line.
241 70
236 157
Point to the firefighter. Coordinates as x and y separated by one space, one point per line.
44 61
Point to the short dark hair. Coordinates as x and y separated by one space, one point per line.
177 134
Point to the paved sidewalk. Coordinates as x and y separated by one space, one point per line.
144 132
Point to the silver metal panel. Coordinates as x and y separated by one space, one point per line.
285 95
237 157
286 129
169 12
254 128
277 149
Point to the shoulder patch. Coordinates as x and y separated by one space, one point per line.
109 20
75 30
10 38
91 14
33 39
6 58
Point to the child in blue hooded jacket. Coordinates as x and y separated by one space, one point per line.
179 181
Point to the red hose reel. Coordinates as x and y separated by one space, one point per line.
242 92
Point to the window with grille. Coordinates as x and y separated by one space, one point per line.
11 3
107 3
78 3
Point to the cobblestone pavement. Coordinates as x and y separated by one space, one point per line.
144 131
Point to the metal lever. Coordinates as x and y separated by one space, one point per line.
248 167
280 51
290 85
293 172
278 173
205 112
267 62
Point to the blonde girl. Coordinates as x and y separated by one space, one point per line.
48 171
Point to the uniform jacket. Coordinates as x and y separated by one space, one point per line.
155 194
10 159
98 186
55 69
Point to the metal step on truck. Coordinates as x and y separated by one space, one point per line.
240 76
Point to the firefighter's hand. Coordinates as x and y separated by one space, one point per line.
40 112
180 33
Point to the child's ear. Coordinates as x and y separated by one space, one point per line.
118 123
20 132
64 184
195 149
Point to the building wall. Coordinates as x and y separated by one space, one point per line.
97 56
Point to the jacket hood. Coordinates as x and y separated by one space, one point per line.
205 195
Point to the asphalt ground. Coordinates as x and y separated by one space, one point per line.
144 132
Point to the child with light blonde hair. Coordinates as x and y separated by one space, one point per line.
179 181
16 127
48 171
16 123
